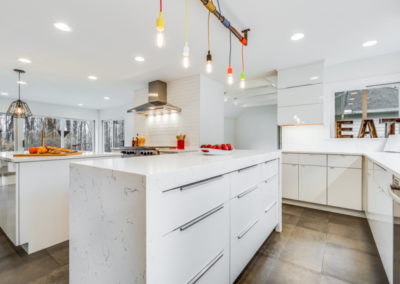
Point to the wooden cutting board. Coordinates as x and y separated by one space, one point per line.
46 155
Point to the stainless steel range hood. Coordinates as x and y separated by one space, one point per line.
157 101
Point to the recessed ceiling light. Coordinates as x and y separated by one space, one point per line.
62 27
139 58
297 36
107 98
314 78
4 94
21 82
24 60
92 77
80 105
370 43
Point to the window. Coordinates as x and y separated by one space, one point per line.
113 134
79 134
6 133
33 132
69 133
373 103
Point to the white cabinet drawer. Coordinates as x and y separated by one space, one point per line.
345 161
197 249
312 94
269 169
312 184
269 192
243 247
344 188
303 114
245 208
288 158
312 159
179 205
268 221
290 181
245 179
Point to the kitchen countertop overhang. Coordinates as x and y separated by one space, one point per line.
8 157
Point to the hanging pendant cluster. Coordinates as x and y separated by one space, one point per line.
212 9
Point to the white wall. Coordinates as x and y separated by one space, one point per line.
257 128
344 76
197 119
211 111
230 130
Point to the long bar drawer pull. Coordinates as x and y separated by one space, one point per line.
200 218
247 168
188 186
206 268
270 207
247 230
243 194
271 178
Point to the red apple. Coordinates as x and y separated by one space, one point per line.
224 147
230 147
203 146
209 146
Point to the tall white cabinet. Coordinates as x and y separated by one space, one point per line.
301 94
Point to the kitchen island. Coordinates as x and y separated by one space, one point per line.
184 218
34 198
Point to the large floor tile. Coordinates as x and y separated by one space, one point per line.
6 247
275 244
367 246
355 232
60 253
319 225
57 276
353 266
258 271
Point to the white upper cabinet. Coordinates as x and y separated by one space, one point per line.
300 76
312 94
303 114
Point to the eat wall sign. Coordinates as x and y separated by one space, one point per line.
367 127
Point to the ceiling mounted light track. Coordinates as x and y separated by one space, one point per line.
211 7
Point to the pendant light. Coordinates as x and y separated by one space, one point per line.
185 60
18 108
160 38
230 71
209 57
242 77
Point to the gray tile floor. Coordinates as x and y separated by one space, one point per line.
317 247
314 247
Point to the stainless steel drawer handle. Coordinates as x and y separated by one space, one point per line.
247 230
270 207
206 268
200 218
270 179
190 185
247 168
243 194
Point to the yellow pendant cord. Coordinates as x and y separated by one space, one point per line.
186 18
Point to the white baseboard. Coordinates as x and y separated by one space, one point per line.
325 208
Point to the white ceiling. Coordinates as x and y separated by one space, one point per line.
108 34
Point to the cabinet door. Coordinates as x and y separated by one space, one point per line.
305 95
302 114
301 75
344 188
290 181
312 184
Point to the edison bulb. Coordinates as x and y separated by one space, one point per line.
230 79
209 67
242 84
185 62
160 39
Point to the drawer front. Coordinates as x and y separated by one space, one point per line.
290 181
312 159
198 253
269 192
290 158
244 179
243 247
269 169
245 208
181 205
268 221
344 188
345 161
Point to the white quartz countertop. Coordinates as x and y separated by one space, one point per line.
390 161
197 163
8 157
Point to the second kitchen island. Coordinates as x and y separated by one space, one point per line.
184 218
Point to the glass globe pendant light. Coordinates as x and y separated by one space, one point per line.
18 108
